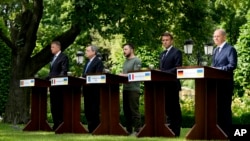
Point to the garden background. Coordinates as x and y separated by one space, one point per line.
28 26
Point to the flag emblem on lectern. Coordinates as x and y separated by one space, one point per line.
180 73
21 82
147 75
200 72
131 77
65 80
53 81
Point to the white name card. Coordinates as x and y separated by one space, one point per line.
96 79
27 82
59 81
190 73
139 76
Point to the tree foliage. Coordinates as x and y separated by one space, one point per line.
33 24
22 18
242 74
230 15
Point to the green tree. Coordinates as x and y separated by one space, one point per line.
23 19
242 73
33 24
230 15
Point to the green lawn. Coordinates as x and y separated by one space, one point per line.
10 132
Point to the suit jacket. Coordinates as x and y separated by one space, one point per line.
226 59
60 66
95 66
169 62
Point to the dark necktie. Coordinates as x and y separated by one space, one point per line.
217 52
164 55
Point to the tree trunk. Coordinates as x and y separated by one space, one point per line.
17 107
24 66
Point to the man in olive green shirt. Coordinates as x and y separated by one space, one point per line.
131 91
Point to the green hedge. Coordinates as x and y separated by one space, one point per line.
188 119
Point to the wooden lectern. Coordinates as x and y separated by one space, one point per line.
109 103
205 127
72 104
38 119
154 97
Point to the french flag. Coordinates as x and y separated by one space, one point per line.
131 77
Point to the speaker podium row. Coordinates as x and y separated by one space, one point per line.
205 126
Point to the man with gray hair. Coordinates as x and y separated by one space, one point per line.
58 67
91 93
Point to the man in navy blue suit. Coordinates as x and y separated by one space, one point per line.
58 67
224 58
91 93
171 58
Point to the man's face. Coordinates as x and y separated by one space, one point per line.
127 51
54 48
166 41
219 38
89 53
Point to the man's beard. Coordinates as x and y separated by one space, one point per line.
128 55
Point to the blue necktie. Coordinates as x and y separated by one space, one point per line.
87 66
217 52
54 58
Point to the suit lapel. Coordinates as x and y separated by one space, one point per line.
163 58
214 54
168 55
57 59
218 55
90 65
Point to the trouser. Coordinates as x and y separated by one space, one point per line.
224 101
92 106
172 107
56 105
131 110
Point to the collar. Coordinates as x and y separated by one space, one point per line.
92 58
57 53
169 48
222 45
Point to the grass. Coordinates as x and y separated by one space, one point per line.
9 132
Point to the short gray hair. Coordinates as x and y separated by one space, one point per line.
94 48
222 31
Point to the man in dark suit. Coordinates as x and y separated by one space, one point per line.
92 92
58 67
171 58
224 58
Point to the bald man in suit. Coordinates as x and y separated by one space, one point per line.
224 58
58 67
